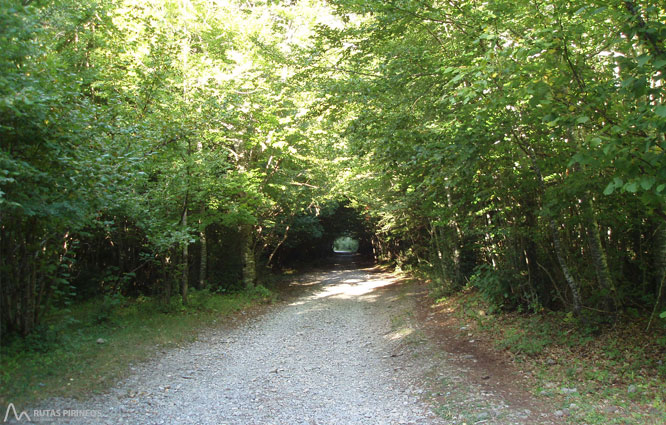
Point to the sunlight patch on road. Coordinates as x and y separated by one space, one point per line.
399 334
352 290
352 281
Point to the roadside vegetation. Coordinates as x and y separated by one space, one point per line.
593 374
86 349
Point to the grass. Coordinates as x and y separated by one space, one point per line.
618 370
64 359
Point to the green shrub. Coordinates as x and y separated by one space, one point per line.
504 289
108 306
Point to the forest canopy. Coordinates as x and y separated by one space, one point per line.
514 146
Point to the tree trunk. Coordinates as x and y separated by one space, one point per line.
203 263
530 251
166 282
28 304
185 280
599 256
284 238
660 254
559 253
660 268
557 244
185 52
247 253
28 281
438 249
375 249
456 239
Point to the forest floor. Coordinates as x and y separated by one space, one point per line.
612 375
346 347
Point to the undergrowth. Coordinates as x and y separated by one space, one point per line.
617 370
87 348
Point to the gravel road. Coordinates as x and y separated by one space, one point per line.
332 356
347 350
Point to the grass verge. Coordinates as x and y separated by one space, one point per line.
594 373
87 349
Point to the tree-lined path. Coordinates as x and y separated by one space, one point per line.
163 162
346 351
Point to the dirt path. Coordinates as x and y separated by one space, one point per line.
348 351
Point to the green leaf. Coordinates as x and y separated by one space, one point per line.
609 189
647 182
581 10
457 78
631 187
661 111
582 119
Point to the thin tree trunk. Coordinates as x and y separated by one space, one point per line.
29 282
660 268
373 243
557 244
203 262
559 253
457 239
599 255
660 254
185 280
438 248
530 249
247 253
284 238
45 292
166 282
185 52
28 310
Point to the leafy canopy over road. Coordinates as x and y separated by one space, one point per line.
153 145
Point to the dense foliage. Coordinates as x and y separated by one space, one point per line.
515 146
142 141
